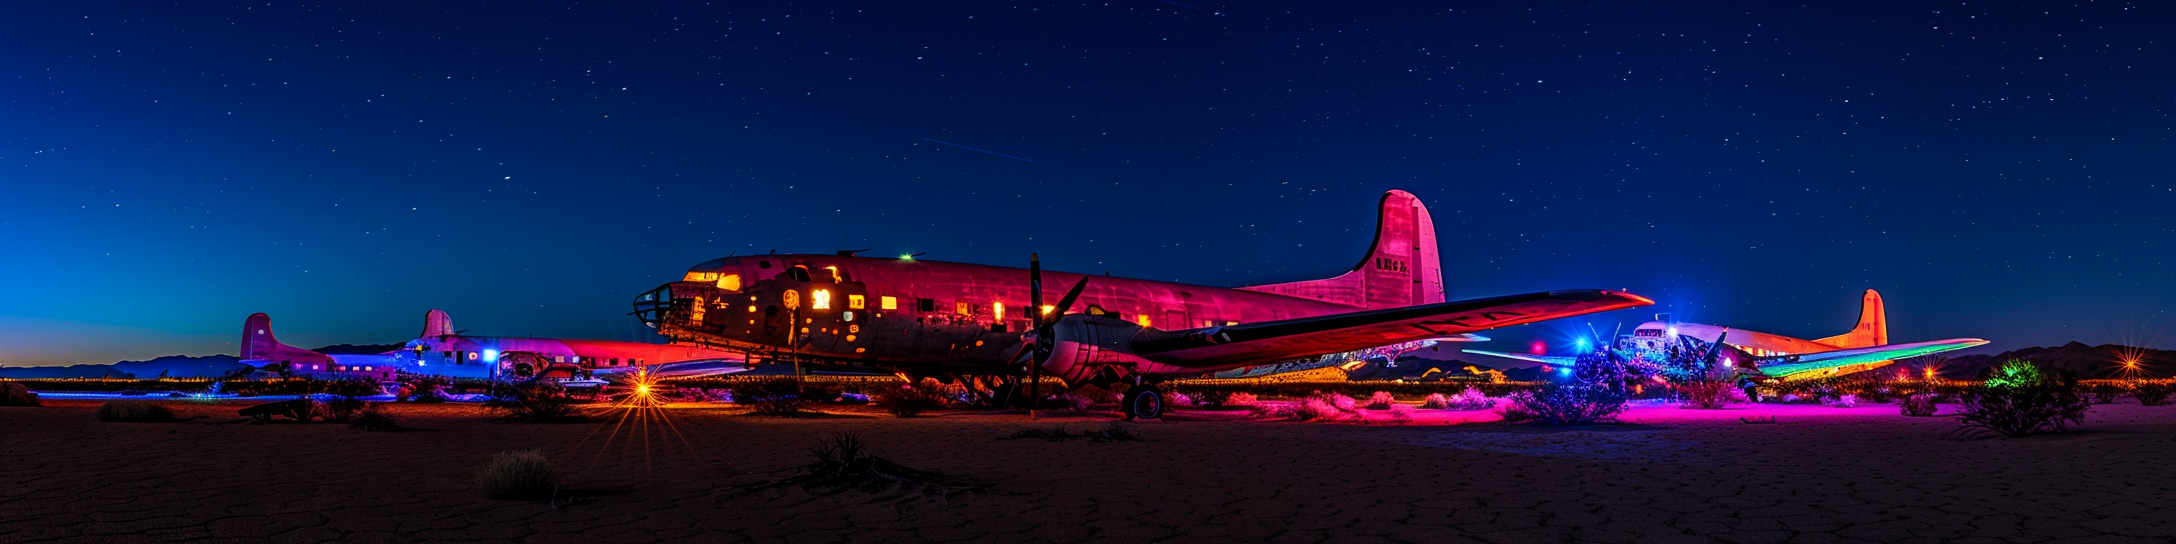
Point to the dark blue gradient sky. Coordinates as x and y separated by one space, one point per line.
1998 171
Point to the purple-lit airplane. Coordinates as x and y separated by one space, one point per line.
442 351
980 323
1765 358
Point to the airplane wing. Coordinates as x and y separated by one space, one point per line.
1789 366
1216 348
1557 360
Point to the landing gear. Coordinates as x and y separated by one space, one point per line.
1006 395
1142 402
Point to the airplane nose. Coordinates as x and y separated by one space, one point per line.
651 307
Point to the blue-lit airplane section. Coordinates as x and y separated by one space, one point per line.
1763 357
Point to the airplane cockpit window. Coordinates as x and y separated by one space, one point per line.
925 305
766 265
797 273
836 276
729 282
700 276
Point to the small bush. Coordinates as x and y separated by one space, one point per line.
842 463
517 476
1241 399
1845 400
1401 413
535 400
2151 392
2104 392
1381 400
773 396
1178 399
1472 399
1919 405
338 408
1706 395
1435 401
1070 400
14 394
1340 402
134 411
909 401
1575 403
372 418
1514 409
2025 401
1316 409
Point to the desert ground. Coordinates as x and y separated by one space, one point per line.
1816 474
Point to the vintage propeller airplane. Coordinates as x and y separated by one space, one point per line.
989 327
440 350
1761 358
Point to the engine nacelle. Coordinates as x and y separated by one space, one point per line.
1084 344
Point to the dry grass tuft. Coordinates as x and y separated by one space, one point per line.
523 475
134 411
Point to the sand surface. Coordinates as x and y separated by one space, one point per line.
1816 475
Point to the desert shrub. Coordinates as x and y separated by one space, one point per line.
534 400
773 396
523 475
1845 400
134 411
2103 393
1919 405
1401 413
1317 409
1241 399
2025 401
372 417
842 463
1435 401
339 408
14 394
2013 373
1706 395
1177 399
1070 400
1515 409
1381 400
911 400
1574 403
1876 394
2151 392
1338 401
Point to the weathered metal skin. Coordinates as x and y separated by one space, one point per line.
934 318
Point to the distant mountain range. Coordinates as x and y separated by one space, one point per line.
172 366
2088 362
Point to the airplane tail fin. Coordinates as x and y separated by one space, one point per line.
1402 268
1873 327
436 323
258 344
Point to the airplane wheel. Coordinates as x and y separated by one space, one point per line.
1143 402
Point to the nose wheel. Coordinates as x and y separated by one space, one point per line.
1142 402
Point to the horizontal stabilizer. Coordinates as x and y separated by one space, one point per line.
1789 366
1270 341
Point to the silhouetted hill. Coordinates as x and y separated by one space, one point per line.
358 349
2087 361
173 366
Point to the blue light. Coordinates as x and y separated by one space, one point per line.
491 355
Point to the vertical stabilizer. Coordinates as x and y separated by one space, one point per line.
1873 327
1400 269
436 323
259 346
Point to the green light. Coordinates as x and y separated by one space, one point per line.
906 257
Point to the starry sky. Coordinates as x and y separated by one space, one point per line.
1995 170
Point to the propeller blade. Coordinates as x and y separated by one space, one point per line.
1717 349
1067 302
1035 289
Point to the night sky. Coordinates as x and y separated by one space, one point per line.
1996 171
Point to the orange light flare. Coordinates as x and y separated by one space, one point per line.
641 413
